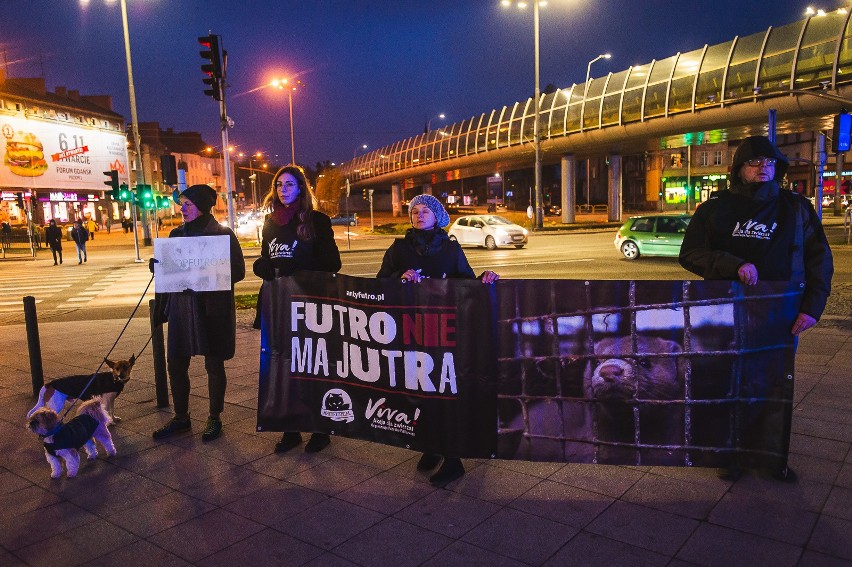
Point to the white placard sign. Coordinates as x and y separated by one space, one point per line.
199 263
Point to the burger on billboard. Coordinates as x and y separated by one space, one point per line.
25 155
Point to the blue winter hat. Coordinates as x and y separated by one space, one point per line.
433 205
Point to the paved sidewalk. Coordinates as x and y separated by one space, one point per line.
234 502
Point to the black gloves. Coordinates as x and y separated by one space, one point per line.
263 269
151 263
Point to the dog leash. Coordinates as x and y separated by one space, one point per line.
92 379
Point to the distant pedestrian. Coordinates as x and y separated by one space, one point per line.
91 227
53 237
80 235
6 234
126 224
108 223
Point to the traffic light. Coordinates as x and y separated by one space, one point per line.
364 193
124 193
163 202
145 197
19 197
213 69
113 183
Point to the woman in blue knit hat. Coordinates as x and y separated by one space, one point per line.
426 251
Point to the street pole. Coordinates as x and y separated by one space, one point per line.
539 212
292 135
348 229
140 173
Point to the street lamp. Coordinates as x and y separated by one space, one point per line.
282 84
361 147
442 116
539 212
585 94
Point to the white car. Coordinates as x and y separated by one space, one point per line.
490 231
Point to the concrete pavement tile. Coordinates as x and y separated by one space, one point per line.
77 545
658 531
717 545
290 464
249 427
814 469
160 513
589 550
25 500
227 487
232 447
330 523
113 490
276 505
268 547
369 454
461 553
676 496
818 447
839 503
834 413
605 479
766 518
385 493
329 559
392 542
148 459
816 559
822 428
30 527
448 512
539 469
205 535
236 393
9 560
333 476
802 494
844 477
186 468
138 554
525 537
494 484
562 503
10 482
127 441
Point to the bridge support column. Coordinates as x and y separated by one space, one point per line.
569 189
614 188
396 199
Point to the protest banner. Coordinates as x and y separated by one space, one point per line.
682 373
199 263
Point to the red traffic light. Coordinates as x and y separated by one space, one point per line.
213 54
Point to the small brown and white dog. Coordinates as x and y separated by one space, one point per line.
62 440
107 385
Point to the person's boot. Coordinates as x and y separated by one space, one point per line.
174 425
452 469
212 430
317 442
289 440
428 462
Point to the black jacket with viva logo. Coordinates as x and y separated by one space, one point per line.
775 229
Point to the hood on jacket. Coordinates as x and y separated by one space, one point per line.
755 147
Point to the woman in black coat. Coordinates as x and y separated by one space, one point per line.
53 238
295 237
200 323
426 251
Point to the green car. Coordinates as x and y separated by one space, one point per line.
652 235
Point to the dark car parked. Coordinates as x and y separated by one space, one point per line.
343 220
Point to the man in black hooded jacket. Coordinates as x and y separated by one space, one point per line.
757 230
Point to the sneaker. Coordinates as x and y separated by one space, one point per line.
289 440
428 462
451 470
317 442
174 425
212 430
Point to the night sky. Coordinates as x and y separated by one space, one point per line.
373 71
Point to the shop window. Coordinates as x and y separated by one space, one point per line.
717 157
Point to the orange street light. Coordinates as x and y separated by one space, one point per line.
282 84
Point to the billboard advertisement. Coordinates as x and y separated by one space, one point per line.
41 154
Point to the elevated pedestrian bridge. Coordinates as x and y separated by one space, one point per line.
802 70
